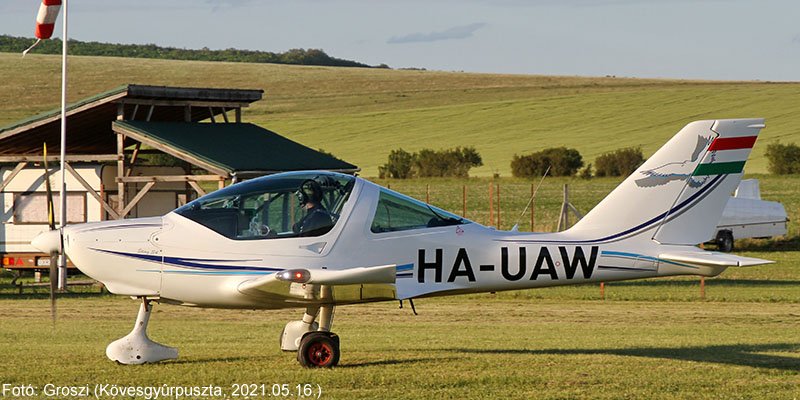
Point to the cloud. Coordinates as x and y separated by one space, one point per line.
456 32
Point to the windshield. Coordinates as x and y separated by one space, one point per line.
276 206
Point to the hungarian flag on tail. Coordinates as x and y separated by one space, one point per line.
726 155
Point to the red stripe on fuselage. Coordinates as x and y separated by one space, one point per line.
744 142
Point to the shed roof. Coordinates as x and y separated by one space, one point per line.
88 120
240 148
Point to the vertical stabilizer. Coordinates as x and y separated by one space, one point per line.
677 195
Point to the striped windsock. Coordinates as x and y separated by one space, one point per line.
46 19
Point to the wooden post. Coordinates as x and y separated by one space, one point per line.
135 200
703 287
197 188
133 159
13 173
149 114
602 290
566 205
498 206
563 219
428 193
533 207
491 203
221 183
464 196
120 172
103 215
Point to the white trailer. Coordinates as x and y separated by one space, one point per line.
24 204
747 216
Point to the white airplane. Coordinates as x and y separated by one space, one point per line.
316 240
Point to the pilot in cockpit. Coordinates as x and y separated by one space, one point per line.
317 220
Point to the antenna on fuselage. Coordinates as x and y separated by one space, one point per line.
515 228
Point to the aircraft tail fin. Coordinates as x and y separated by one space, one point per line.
677 195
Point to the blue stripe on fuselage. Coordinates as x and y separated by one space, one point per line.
192 262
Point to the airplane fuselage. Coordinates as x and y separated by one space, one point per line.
177 260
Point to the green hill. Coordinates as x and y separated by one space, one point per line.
361 114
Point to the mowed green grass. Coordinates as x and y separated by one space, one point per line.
558 343
361 115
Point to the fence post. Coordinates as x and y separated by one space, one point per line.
498 206
533 207
464 211
563 219
602 290
491 203
428 193
703 287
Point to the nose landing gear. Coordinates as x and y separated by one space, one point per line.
136 347
319 350
316 345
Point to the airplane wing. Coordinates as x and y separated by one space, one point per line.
712 258
343 286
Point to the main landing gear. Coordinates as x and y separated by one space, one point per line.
316 345
136 347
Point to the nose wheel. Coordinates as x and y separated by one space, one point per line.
311 337
319 350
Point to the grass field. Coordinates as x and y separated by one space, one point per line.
558 343
646 339
362 114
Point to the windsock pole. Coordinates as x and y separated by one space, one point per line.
45 25
62 259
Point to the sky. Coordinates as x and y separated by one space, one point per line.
694 39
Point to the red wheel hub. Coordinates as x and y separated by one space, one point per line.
320 353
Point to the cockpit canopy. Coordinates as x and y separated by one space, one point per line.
294 204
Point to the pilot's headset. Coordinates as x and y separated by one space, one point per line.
309 190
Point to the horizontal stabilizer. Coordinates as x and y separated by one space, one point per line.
712 258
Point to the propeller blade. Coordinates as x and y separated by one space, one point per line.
51 218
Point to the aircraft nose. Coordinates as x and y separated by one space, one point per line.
48 242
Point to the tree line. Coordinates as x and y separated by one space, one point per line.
556 161
14 44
